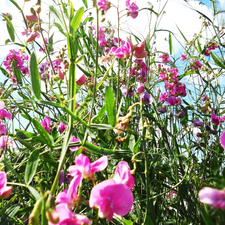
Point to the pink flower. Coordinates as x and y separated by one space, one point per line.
85 168
139 51
2 129
183 57
140 88
215 119
46 123
165 58
198 123
74 139
4 114
61 75
81 80
62 127
111 198
5 191
2 105
132 9
67 217
104 5
222 140
69 196
173 101
204 97
5 141
32 18
213 197
32 36
123 176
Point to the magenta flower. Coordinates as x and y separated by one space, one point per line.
67 217
2 129
140 88
85 168
213 197
173 101
111 198
139 51
165 58
62 127
183 57
162 110
4 114
69 196
81 80
46 123
104 5
123 176
32 36
215 119
5 141
74 139
5 191
222 140
132 9
198 123
204 97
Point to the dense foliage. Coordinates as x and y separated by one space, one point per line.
100 129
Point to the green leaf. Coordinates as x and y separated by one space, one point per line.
20 137
170 44
60 28
34 75
58 17
44 134
31 166
205 217
76 20
182 34
136 146
14 3
7 41
50 43
85 3
16 72
214 165
34 192
127 222
219 62
110 106
131 142
9 214
10 28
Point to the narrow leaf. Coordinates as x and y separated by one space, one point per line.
219 62
16 72
10 28
34 75
34 192
31 166
110 106
44 134
170 44
85 3
76 20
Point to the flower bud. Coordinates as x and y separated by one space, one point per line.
81 80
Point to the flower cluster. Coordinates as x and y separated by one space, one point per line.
16 60
5 140
106 195
210 47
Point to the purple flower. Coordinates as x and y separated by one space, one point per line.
104 5
162 110
215 119
198 123
146 98
173 101
213 197
46 123
4 114
181 114
204 97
